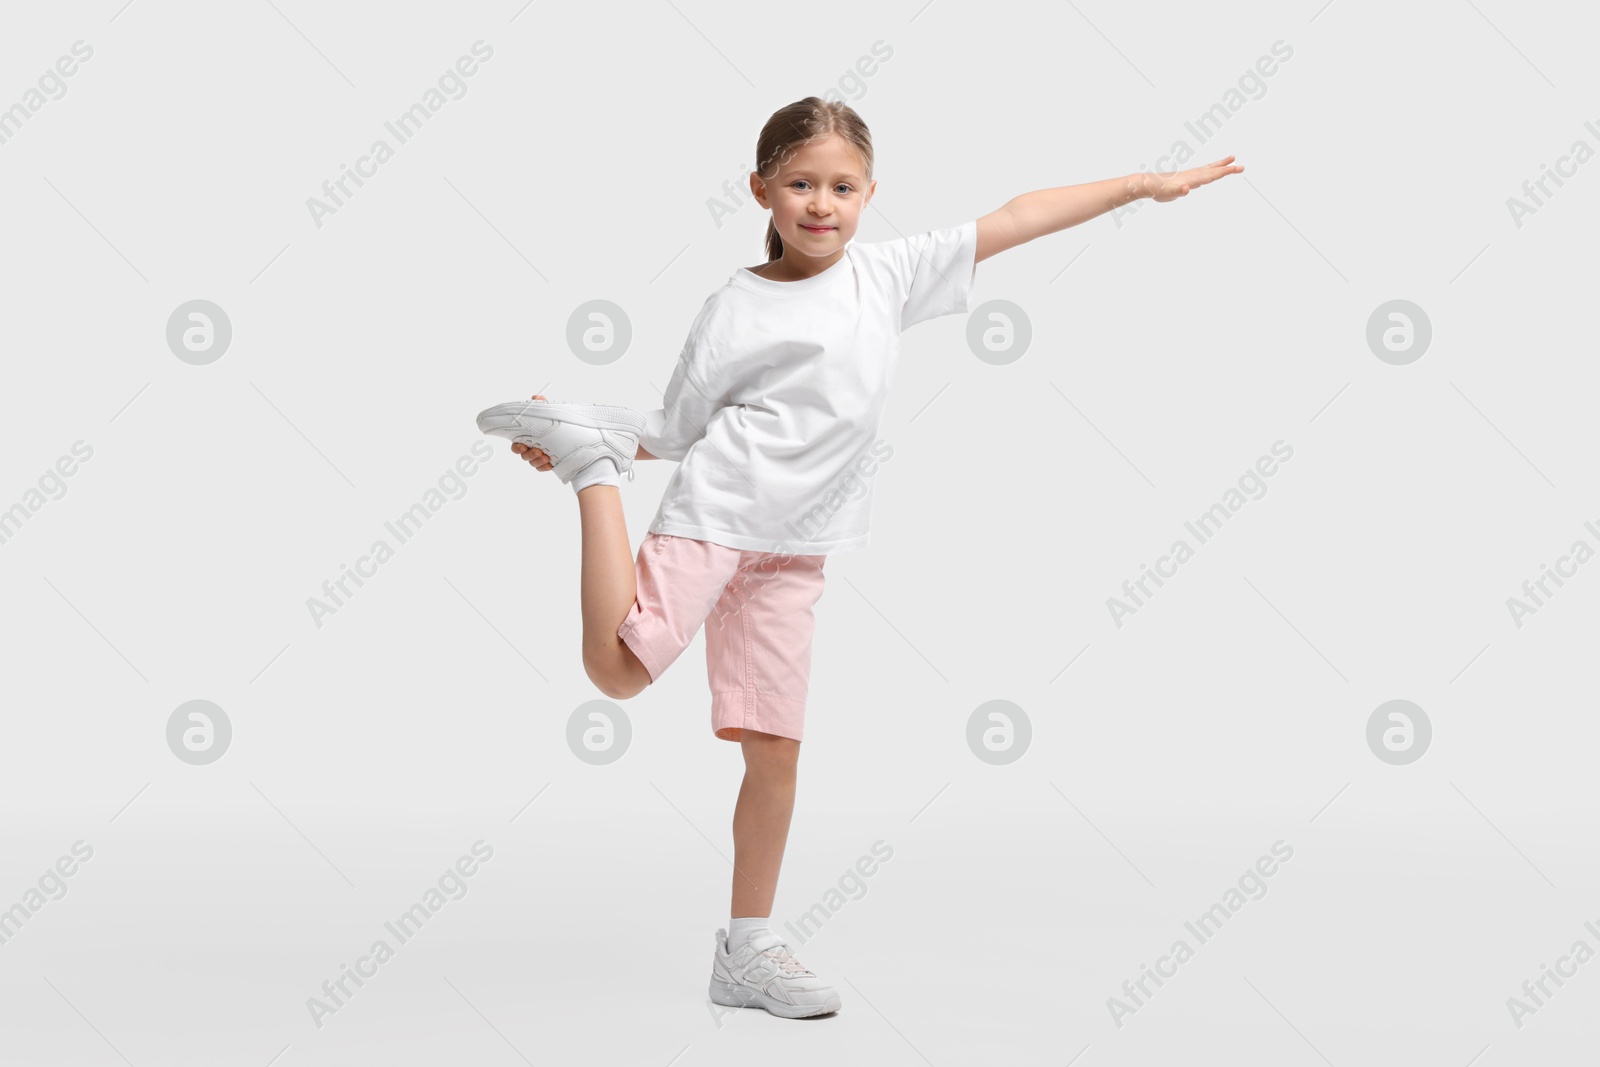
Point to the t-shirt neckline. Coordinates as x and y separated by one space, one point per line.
749 280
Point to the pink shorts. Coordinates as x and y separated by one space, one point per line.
757 611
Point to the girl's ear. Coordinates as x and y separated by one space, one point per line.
757 189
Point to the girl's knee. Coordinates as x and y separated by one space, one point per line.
770 750
618 677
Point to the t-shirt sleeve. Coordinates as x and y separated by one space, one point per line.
693 394
938 267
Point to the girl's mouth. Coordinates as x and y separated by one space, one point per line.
815 229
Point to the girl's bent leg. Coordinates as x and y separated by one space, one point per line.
608 593
761 820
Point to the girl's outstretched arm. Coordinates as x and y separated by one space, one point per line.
1035 214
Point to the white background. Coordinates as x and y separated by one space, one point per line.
1171 348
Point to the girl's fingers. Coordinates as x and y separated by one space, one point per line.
534 455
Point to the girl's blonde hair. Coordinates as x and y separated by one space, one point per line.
800 123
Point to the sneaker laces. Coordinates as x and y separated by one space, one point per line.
786 962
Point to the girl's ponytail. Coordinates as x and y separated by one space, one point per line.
803 121
774 242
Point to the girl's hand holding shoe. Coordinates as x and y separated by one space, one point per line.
535 456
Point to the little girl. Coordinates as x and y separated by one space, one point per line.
772 414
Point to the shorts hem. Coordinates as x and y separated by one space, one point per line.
734 711
652 658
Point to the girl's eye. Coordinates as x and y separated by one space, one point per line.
801 181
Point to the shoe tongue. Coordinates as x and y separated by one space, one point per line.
764 940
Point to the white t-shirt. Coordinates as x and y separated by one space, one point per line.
774 406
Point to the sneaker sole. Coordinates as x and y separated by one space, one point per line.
502 419
736 996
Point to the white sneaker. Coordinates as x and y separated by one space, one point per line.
760 973
572 435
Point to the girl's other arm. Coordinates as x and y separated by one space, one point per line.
1035 214
693 395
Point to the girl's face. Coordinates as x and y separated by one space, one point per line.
817 196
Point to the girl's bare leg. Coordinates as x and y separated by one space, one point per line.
608 593
608 589
761 820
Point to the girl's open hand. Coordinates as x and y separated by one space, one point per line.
535 456
1164 187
